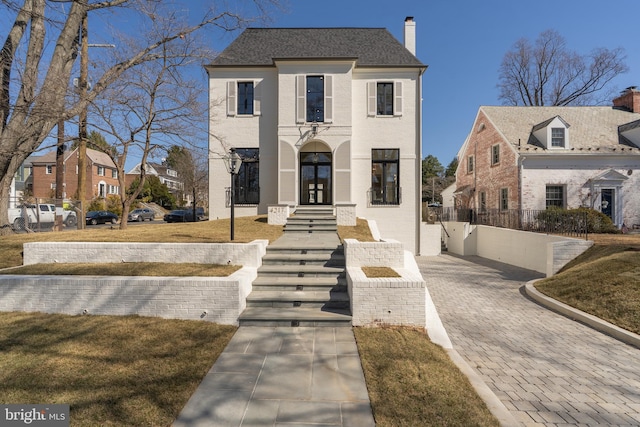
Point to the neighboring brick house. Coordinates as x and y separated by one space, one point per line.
537 157
320 116
102 175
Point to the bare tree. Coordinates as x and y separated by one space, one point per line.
193 172
34 89
150 107
548 73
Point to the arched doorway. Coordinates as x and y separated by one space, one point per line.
315 174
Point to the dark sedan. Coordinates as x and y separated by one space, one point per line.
184 215
175 216
101 217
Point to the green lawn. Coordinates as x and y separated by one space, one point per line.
122 371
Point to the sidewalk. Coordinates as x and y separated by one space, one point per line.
269 376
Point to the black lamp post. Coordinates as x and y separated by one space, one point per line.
232 162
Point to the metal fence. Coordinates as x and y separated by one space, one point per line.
552 221
39 214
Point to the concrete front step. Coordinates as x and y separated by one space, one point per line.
295 316
283 299
302 248
327 219
300 270
314 210
293 283
310 228
325 259
302 278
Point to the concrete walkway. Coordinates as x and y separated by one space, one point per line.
546 369
270 376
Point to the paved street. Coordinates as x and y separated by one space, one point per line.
546 369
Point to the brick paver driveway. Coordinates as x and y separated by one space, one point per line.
546 369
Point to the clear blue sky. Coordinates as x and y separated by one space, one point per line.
463 43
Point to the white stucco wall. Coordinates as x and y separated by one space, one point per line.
240 131
400 222
575 173
350 136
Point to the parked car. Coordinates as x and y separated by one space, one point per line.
176 216
141 215
101 217
185 215
28 215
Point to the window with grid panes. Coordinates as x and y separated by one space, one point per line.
557 137
245 98
385 178
555 196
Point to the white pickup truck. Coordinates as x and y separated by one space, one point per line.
29 215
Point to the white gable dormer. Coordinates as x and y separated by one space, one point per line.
553 134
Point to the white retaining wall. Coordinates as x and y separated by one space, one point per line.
388 300
388 253
430 239
246 254
346 214
215 299
539 252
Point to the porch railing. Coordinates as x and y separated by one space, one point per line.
243 197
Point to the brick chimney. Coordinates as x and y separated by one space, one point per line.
410 34
629 100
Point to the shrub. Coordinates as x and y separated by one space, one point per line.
558 219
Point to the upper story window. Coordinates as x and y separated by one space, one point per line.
495 154
48 169
314 98
384 98
114 173
243 98
557 137
100 170
470 164
385 178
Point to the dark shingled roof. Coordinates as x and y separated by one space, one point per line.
369 46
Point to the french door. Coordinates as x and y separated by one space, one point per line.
315 178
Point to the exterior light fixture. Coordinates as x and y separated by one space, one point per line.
232 162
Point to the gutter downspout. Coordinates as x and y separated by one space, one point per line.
521 160
418 194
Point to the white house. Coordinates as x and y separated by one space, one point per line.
320 116
165 174
538 157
